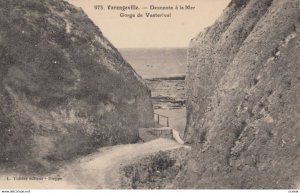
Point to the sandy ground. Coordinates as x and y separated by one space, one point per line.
100 170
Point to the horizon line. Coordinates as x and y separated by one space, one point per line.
151 47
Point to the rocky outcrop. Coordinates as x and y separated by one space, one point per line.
64 89
243 88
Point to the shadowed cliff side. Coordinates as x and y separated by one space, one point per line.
64 89
243 98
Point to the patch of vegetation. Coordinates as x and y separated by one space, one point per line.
157 171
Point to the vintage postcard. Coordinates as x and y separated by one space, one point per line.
149 94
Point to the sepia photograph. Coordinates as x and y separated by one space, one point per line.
149 94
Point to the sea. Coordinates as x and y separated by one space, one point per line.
163 70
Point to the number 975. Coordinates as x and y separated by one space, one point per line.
99 7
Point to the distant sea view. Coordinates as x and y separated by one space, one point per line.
156 62
164 72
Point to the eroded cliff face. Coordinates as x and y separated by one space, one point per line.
243 107
64 89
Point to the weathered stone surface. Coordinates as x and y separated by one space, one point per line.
243 98
64 89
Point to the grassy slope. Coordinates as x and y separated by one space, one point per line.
64 89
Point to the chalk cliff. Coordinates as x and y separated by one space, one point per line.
243 106
64 89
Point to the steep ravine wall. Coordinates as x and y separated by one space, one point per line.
64 89
243 106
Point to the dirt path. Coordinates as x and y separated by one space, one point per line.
95 171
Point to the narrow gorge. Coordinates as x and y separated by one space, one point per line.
73 109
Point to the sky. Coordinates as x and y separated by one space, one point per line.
163 32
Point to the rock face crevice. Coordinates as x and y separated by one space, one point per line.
243 98
219 45
64 89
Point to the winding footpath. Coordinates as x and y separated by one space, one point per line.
100 170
